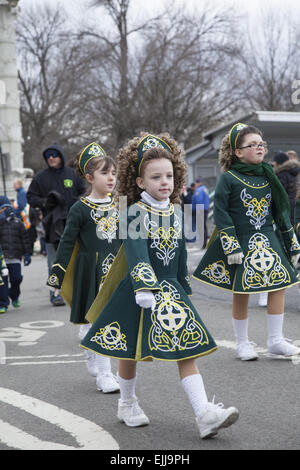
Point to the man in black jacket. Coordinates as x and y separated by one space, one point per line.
56 179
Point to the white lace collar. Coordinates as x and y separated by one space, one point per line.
153 202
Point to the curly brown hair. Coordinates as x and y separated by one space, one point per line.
127 174
226 154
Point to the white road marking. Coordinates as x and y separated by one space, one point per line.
43 362
88 435
262 351
46 356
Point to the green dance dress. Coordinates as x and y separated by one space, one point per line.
244 221
85 254
156 261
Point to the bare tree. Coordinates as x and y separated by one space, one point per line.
52 70
270 59
171 72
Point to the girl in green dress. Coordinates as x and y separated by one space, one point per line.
149 314
247 256
87 249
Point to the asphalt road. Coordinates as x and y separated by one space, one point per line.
48 400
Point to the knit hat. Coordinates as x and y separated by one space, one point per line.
280 158
4 202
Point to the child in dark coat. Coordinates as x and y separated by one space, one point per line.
15 244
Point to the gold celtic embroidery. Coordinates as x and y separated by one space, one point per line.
229 244
111 338
164 241
294 243
174 327
257 210
107 226
143 272
106 265
53 280
217 273
263 266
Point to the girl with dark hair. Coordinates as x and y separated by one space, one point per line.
246 256
87 249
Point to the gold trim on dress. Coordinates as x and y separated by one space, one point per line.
248 184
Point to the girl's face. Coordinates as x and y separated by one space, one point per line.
102 181
158 179
252 150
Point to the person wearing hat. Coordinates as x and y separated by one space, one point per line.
15 244
67 188
87 249
245 256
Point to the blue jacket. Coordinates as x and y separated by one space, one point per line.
21 200
201 196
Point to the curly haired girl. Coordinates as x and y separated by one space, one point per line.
247 257
149 315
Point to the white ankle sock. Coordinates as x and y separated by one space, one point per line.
83 330
127 388
194 388
103 364
275 325
240 330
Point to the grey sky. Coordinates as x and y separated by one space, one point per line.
252 7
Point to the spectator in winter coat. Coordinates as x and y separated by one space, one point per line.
15 244
61 179
21 196
287 172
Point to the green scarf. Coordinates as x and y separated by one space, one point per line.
281 205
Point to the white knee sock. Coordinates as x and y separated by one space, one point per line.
275 325
127 388
194 388
240 330
103 364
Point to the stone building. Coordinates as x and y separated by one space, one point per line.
10 123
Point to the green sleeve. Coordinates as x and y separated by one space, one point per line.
288 235
142 274
223 220
66 246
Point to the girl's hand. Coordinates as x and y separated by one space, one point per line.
145 299
236 258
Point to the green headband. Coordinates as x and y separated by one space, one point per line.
234 133
148 142
92 150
